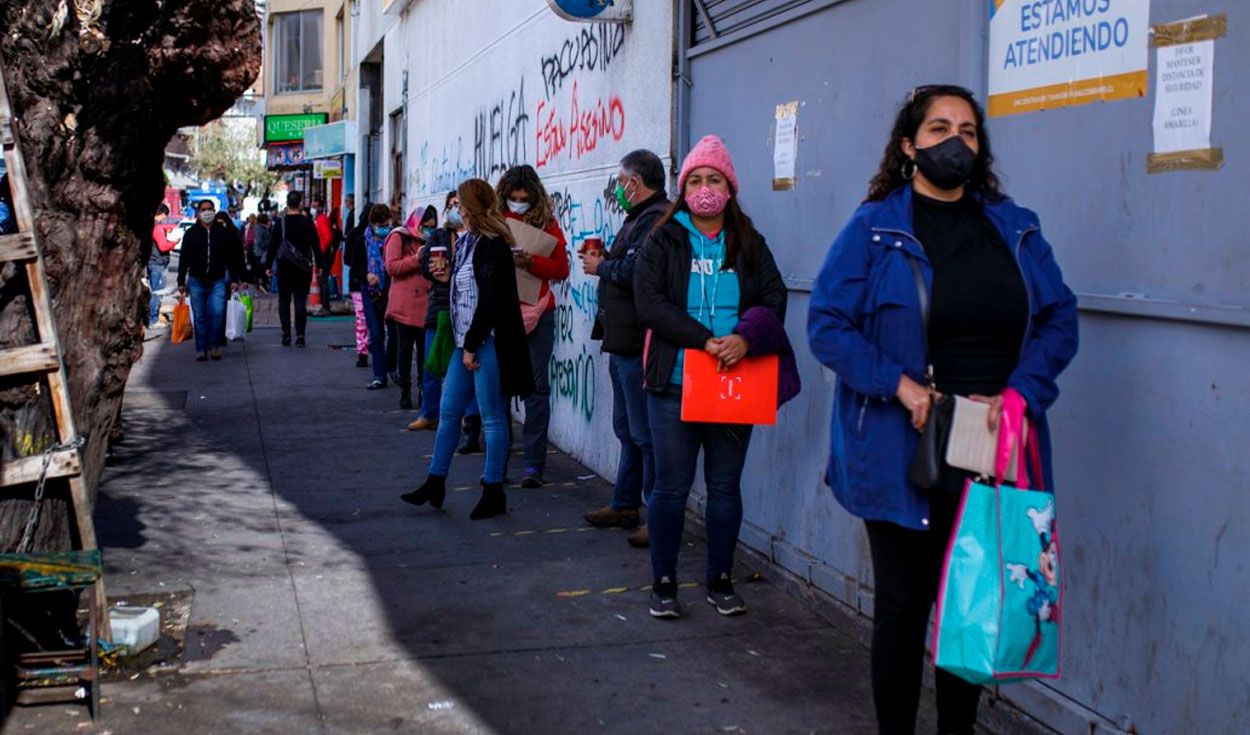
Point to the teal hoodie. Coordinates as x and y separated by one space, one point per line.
713 296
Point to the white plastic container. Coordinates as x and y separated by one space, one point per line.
135 628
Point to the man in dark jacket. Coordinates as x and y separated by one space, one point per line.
640 192
293 265
210 250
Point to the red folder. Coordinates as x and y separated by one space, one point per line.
744 394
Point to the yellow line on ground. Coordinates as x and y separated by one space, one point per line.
622 590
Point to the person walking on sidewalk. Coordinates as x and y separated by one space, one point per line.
328 246
640 192
409 299
355 257
1000 319
523 197
158 265
210 250
376 287
491 352
260 247
702 268
292 251
437 255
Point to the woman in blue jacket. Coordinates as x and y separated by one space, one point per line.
937 230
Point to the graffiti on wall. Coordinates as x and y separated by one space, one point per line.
501 134
447 168
582 131
591 49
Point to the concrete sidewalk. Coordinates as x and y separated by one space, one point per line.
263 490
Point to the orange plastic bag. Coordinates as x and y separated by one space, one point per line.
744 394
181 331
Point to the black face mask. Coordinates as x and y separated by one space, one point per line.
948 164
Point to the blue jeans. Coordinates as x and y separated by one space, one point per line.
635 473
431 384
375 309
677 446
208 305
457 389
156 279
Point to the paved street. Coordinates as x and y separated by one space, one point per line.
262 490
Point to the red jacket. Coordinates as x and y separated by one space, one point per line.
552 268
409 290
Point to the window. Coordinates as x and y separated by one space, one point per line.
341 38
297 51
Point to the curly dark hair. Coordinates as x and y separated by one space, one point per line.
525 177
890 176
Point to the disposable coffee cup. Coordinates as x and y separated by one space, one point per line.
593 245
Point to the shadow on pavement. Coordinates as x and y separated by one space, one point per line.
267 485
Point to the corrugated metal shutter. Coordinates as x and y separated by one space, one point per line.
728 16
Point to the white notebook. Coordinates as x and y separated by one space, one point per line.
972 445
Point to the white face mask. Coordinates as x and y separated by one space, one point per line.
519 207
313 211
207 216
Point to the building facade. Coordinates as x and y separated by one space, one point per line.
1148 433
305 82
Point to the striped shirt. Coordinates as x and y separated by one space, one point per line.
463 288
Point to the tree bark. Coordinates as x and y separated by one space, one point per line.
98 88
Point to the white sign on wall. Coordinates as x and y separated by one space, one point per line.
1182 119
1055 53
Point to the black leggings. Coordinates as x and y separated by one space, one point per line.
906 565
410 339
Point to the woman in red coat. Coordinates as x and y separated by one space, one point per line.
409 298
523 197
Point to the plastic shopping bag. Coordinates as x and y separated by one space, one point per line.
439 357
1001 596
250 305
236 318
181 330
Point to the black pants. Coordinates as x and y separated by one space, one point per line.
410 339
392 345
288 290
906 565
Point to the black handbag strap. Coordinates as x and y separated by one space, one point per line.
922 290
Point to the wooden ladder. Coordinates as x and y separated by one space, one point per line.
42 361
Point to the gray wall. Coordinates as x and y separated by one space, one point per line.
1151 431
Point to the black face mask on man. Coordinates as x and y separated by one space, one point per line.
948 164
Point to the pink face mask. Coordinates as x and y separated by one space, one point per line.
707 202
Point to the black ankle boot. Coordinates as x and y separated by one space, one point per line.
471 441
405 398
432 491
493 502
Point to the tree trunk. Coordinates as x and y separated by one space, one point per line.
98 88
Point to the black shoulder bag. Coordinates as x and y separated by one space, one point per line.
291 255
926 466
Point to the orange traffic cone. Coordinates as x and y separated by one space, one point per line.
314 293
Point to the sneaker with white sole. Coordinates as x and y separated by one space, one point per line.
664 604
720 593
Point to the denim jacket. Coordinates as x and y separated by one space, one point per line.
865 324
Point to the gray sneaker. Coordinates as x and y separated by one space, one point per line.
720 593
664 599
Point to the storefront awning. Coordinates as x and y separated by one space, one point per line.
328 141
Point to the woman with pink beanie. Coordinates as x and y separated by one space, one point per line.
703 267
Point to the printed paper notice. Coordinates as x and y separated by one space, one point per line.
785 146
1182 120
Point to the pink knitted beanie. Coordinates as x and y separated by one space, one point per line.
709 151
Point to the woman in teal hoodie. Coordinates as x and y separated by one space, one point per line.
702 268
